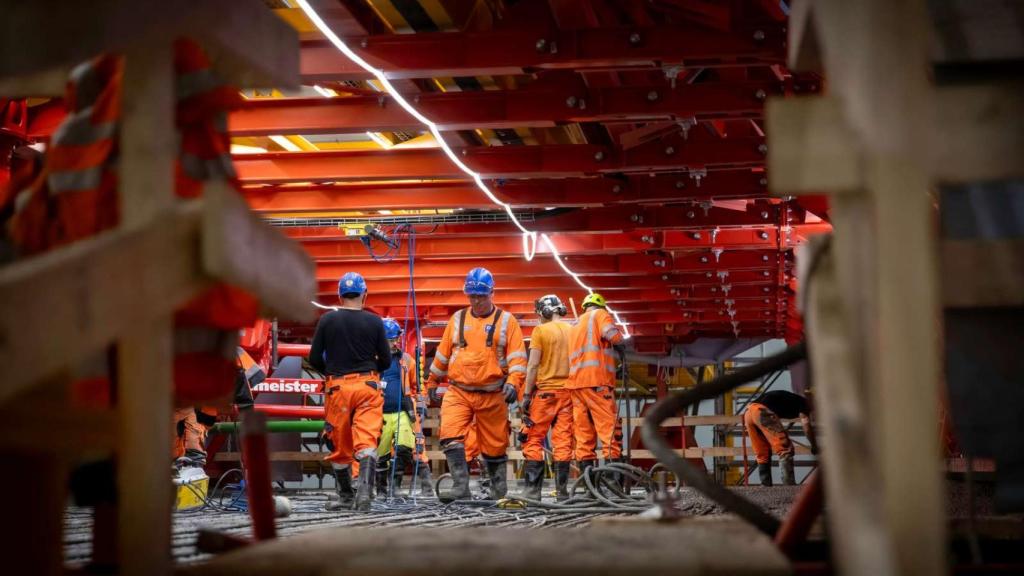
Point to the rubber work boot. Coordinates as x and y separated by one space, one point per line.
562 480
426 481
343 486
383 471
403 459
620 479
367 475
786 464
765 472
533 478
459 468
497 471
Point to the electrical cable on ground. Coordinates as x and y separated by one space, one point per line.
671 405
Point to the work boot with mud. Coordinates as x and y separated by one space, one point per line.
562 480
497 472
459 468
786 465
367 475
343 486
533 478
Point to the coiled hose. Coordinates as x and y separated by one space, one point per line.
698 479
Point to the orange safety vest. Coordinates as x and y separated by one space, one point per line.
591 360
76 197
481 353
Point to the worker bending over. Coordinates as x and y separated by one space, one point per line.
399 412
762 419
546 402
351 350
592 382
482 355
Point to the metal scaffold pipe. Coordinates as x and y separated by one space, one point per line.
275 426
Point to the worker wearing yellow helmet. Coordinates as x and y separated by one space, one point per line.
595 344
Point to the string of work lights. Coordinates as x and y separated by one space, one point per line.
530 237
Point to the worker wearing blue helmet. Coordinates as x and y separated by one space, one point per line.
400 427
350 347
483 356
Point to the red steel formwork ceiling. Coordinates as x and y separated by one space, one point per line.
630 131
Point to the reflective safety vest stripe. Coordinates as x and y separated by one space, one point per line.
592 362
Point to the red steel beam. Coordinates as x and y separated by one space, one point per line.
535 193
669 154
541 106
515 51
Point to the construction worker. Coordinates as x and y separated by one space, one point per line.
767 434
397 433
592 382
546 403
351 349
483 356
191 426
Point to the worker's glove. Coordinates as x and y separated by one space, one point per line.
620 349
433 395
527 401
409 407
510 393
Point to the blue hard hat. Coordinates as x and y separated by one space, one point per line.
391 329
479 281
352 283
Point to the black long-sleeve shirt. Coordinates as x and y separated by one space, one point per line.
349 342
785 404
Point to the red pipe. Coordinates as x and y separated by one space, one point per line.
256 461
801 517
279 410
292 349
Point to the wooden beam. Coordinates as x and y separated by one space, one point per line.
810 147
79 298
243 250
256 49
979 273
980 133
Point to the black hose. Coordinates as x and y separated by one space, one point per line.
671 405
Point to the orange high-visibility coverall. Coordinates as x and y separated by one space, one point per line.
477 372
354 411
766 433
592 382
191 426
552 404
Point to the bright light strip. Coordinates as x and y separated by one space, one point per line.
321 306
285 143
529 236
324 91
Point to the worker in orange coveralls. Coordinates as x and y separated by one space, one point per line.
594 345
351 349
483 356
191 426
767 434
550 408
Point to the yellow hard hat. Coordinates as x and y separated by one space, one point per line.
593 299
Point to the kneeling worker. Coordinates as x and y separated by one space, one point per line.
551 406
592 382
483 356
399 412
351 349
767 432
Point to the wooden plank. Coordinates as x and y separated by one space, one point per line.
144 390
716 451
249 44
804 53
810 147
982 273
80 297
982 133
243 250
